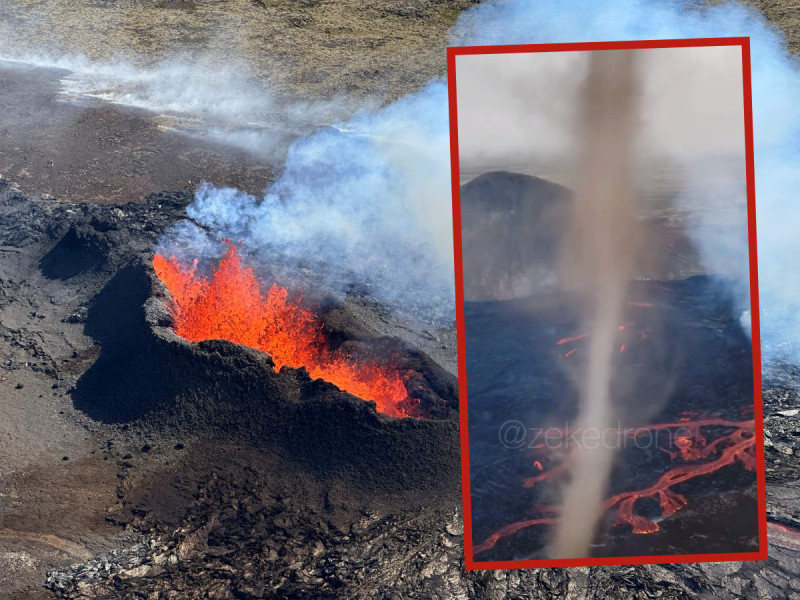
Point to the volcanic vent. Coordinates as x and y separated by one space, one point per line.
230 305
287 393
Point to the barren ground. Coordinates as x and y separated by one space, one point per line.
65 479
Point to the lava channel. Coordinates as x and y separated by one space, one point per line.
691 446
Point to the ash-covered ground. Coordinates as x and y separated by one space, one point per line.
195 496
182 504
684 357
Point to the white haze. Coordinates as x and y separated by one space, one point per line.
519 107
776 116
397 204
385 173
359 202
198 96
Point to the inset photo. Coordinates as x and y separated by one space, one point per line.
607 303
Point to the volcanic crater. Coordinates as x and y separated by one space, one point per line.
196 467
191 406
145 369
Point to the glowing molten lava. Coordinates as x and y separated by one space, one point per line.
692 447
230 305
699 446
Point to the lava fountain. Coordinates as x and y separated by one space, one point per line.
231 305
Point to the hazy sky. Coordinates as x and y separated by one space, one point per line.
515 106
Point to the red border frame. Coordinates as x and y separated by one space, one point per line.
744 42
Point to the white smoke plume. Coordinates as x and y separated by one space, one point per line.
359 202
776 118
197 96
373 195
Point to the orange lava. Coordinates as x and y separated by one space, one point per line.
508 530
569 340
230 305
737 446
691 447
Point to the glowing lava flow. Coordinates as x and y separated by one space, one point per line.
691 445
231 306
783 535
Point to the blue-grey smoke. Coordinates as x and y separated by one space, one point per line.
776 120
364 202
369 200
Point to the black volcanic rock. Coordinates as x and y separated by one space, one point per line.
146 371
513 226
214 524
81 249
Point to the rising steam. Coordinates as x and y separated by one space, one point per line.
409 175
776 124
357 202
200 97
602 251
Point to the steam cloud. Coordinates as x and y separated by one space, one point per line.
604 222
407 176
198 97
364 201
374 194
776 119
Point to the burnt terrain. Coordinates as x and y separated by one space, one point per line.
683 355
194 470
150 497
163 416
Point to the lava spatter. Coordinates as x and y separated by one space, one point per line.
231 305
